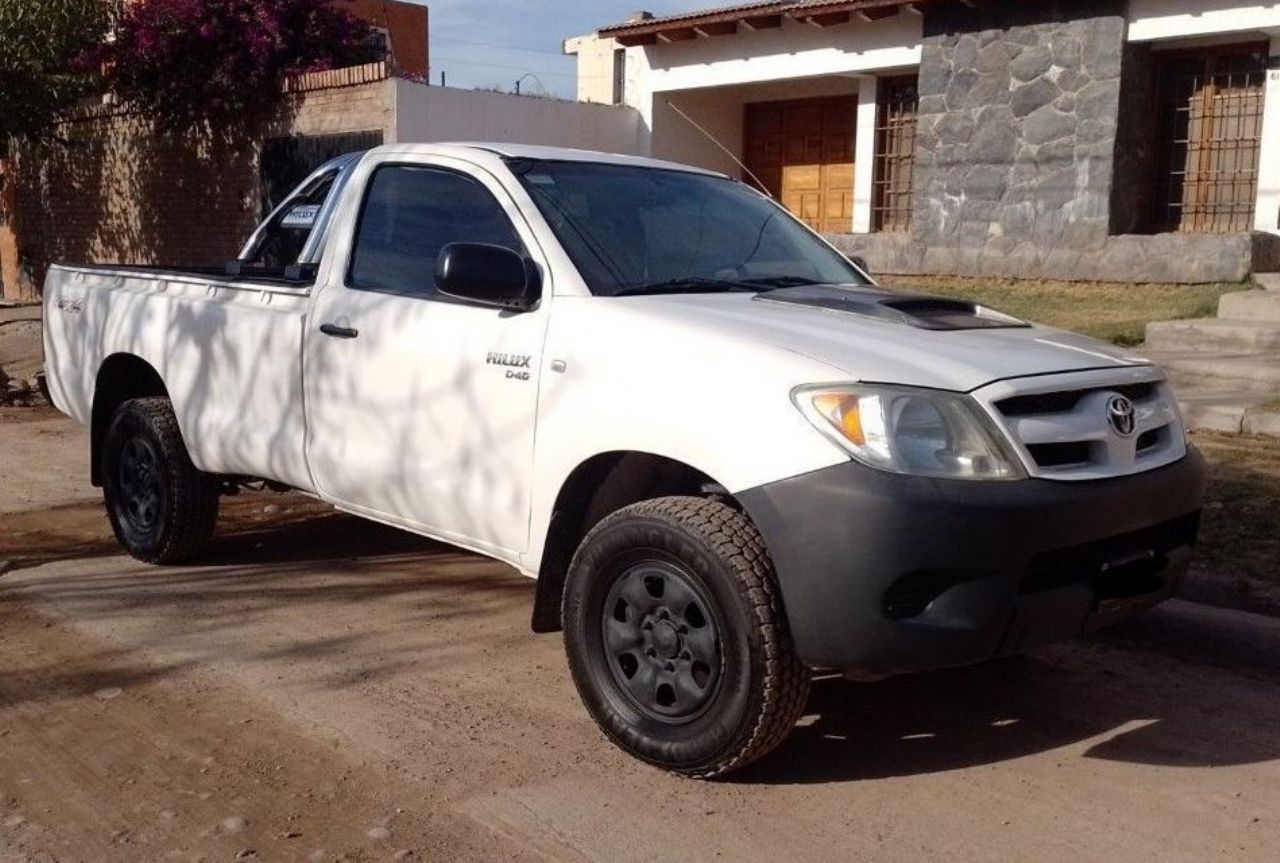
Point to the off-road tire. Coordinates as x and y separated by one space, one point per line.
186 499
762 685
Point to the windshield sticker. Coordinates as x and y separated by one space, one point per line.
301 217
541 179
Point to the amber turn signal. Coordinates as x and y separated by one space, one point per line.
842 411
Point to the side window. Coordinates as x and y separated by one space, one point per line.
409 215
285 237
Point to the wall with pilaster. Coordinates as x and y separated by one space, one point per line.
1267 210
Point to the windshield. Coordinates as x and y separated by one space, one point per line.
632 230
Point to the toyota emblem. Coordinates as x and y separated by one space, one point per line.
1121 415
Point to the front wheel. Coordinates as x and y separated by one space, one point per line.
677 639
162 508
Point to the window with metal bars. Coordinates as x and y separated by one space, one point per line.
1209 132
619 75
895 154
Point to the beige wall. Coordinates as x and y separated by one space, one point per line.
434 114
595 67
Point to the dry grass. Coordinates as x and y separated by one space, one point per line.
1116 313
1241 528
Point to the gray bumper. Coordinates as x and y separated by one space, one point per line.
886 573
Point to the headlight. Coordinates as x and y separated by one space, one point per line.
915 431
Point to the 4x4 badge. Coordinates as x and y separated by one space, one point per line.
1121 415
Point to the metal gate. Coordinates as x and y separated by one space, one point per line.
1210 134
286 162
896 117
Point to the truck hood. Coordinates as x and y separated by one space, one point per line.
879 336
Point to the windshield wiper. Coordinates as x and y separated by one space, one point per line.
686 284
784 281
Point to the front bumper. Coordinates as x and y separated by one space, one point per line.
886 573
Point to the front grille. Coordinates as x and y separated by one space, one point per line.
1138 551
1063 402
1070 433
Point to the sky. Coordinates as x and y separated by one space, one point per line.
491 43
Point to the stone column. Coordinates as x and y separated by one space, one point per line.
1266 212
1019 105
864 154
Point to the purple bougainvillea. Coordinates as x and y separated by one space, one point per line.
191 60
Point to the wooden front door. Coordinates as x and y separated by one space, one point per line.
802 151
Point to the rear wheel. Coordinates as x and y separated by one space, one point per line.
162 508
677 638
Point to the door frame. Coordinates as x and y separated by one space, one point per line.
852 100
334 278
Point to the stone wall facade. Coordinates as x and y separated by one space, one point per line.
114 189
1017 132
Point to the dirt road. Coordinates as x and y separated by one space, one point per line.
321 689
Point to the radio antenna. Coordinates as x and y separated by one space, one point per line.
712 138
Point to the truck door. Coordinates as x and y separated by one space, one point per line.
420 407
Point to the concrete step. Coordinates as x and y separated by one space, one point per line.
1228 411
1269 281
1214 335
1213 413
1250 305
1254 373
1259 421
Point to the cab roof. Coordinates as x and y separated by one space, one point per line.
473 149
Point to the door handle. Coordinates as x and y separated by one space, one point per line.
339 332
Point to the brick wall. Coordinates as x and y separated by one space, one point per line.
114 190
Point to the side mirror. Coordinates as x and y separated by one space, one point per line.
859 262
488 275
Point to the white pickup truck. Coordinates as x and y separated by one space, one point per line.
727 455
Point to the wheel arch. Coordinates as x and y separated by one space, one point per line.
603 484
121 377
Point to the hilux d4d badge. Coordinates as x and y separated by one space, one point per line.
517 364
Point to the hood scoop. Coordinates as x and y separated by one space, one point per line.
921 311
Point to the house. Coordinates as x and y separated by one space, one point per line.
1128 140
401 29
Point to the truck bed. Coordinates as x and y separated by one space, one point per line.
228 349
230 274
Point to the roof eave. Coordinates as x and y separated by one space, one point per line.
758 16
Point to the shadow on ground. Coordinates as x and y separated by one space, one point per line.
1010 709
1144 691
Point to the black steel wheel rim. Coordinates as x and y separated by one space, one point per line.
140 486
661 640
